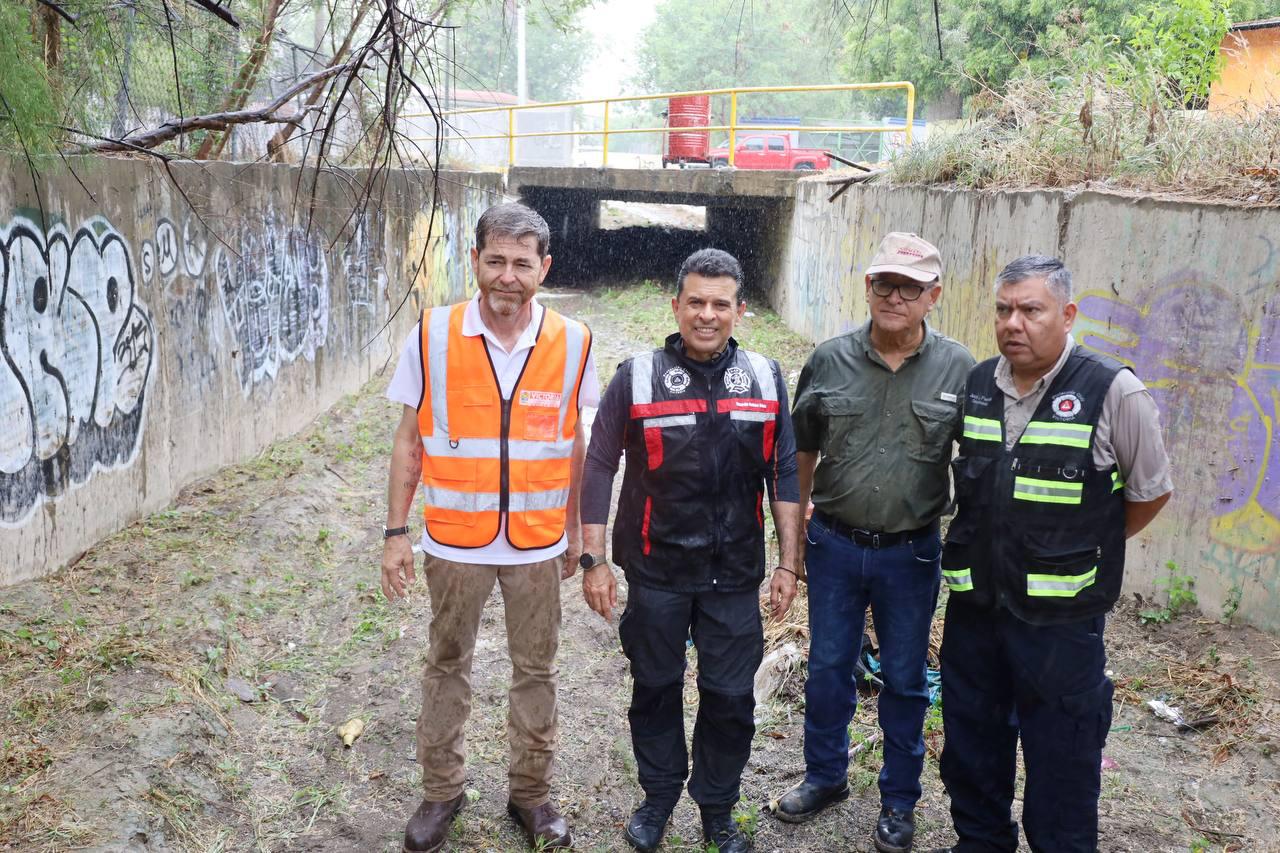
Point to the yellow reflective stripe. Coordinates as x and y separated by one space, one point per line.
1060 586
959 580
1062 435
1047 491
1117 482
982 429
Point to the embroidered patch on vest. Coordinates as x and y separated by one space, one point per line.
541 399
1066 406
736 380
676 379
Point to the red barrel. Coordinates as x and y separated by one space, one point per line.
688 146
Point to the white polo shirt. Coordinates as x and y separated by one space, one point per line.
406 388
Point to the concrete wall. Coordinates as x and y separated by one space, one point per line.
1189 294
145 343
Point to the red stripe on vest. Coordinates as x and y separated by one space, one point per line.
667 407
745 404
653 444
760 509
644 528
768 439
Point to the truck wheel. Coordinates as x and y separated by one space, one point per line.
719 163
804 167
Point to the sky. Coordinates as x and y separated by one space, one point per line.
616 26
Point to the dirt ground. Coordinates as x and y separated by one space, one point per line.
181 686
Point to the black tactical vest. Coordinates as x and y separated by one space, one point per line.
699 444
1038 530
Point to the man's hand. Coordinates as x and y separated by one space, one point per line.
782 589
571 555
397 567
600 589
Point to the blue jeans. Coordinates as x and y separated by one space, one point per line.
900 584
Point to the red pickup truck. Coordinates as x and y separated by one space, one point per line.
770 151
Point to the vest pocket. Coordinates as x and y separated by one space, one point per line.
968 472
958 557
936 424
450 491
1056 574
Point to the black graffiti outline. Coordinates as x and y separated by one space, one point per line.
85 446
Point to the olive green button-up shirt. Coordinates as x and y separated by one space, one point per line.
884 437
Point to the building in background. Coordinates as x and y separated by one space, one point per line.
1251 75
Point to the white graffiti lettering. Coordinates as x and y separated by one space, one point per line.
275 297
77 348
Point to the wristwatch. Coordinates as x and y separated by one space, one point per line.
590 561
388 532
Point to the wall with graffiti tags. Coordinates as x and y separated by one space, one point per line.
149 335
1187 294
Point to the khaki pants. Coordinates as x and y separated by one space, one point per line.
531 599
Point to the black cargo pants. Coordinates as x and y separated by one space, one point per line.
729 638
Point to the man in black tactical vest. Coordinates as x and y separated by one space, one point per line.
706 432
1061 460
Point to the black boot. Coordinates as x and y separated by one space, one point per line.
718 828
806 800
647 826
894 831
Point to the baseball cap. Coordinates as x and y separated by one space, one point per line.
906 254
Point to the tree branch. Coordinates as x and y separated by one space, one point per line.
66 16
214 9
222 120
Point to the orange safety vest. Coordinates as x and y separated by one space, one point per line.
485 455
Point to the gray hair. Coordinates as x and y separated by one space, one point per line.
515 221
1054 272
711 263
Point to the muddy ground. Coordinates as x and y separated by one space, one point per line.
181 686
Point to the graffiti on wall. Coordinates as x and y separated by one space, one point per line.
274 296
366 278
442 274
77 347
1190 341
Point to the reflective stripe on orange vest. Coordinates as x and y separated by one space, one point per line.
473 468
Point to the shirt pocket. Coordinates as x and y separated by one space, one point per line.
935 425
845 416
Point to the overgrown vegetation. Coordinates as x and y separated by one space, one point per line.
1114 114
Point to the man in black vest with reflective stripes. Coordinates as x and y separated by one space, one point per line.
1061 460
706 432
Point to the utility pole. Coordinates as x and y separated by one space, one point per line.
522 76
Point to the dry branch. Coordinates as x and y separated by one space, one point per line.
215 9
222 120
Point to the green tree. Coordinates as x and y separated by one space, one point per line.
711 44
555 50
984 42
27 97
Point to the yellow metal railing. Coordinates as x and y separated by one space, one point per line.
733 128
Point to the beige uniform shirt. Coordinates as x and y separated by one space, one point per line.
1127 434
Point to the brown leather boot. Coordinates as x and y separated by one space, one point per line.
429 826
544 827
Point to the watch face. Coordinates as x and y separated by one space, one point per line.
587 561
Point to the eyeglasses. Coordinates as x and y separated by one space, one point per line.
909 291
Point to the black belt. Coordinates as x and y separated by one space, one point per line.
871 538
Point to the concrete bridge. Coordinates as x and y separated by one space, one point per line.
748 213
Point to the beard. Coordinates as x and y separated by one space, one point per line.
504 304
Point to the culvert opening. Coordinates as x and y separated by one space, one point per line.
634 241
616 215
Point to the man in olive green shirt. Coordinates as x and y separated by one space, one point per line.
875 416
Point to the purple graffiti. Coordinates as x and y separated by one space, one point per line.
1191 342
